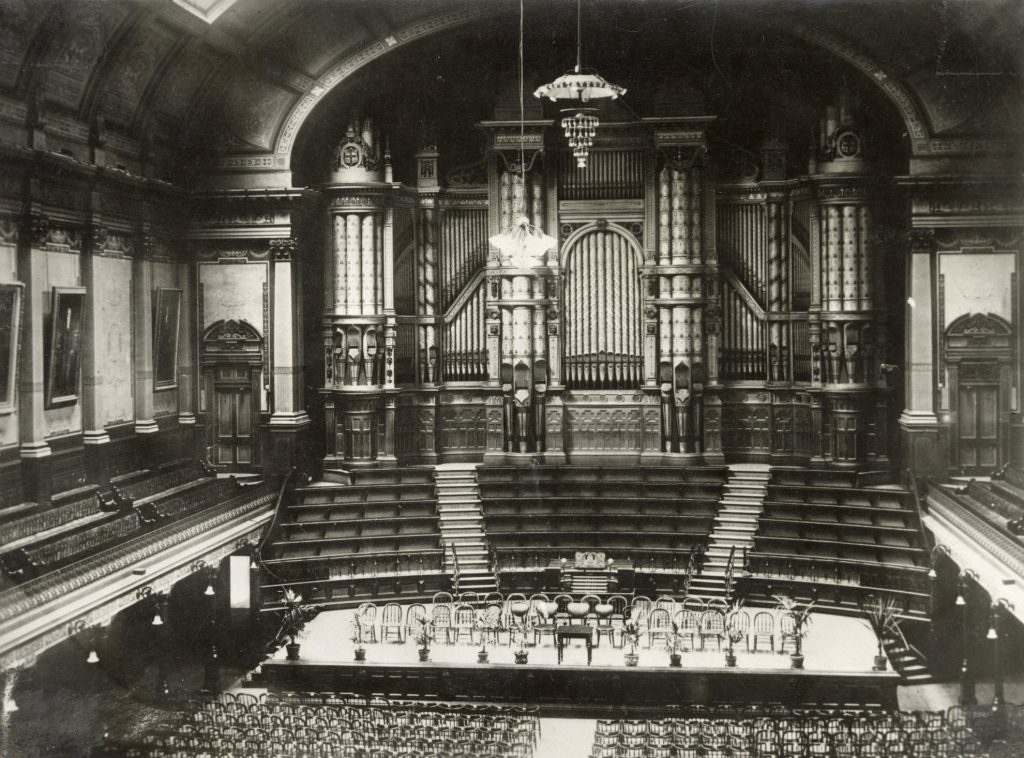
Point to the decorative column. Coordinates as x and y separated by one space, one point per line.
919 426
142 337
354 322
523 313
94 436
851 319
35 452
677 290
288 418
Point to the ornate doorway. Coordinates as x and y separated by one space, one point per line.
979 355
232 363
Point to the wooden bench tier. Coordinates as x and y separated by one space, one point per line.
588 474
601 488
383 476
873 498
828 477
605 541
842 514
862 552
598 506
368 527
605 522
344 493
305 512
324 547
288 570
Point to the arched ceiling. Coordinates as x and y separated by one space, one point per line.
234 82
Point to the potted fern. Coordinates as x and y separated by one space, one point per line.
801 616
484 624
733 634
881 615
522 629
423 636
295 614
357 636
673 644
631 638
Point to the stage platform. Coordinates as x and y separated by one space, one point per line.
838 656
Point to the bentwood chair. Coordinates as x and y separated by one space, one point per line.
763 628
391 622
441 620
659 624
712 626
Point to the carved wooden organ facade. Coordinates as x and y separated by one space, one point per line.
689 311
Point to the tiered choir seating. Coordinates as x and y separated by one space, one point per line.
67 508
325 725
75 528
545 512
372 533
837 533
999 501
718 732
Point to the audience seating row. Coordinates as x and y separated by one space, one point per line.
777 734
247 726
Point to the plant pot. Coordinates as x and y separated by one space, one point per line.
675 660
632 659
880 663
730 659
360 653
797 661
481 656
522 657
293 651
424 654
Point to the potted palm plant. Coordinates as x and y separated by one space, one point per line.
295 614
733 634
631 638
484 623
357 636
673 644
881 615
423 636
522 629
800 613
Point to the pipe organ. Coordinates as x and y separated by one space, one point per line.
688 311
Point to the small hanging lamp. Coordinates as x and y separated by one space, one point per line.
580 87
523 244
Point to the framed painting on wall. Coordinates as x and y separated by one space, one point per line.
166 323
10 343
64 347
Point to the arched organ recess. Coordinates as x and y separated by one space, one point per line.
696 306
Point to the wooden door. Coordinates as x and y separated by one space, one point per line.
978 418
234 425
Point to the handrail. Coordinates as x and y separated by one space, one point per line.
728 573
456 573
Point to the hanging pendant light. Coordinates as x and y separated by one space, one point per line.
523 245
580 87
93 657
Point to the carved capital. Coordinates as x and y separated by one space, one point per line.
922 241
36 228
98 236
283 249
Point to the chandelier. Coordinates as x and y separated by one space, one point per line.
522 244
579 87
